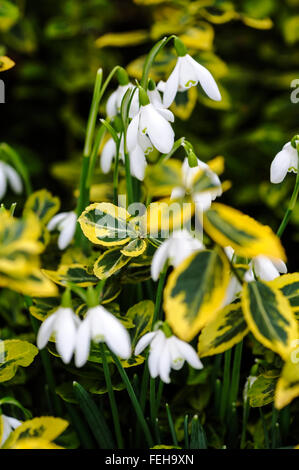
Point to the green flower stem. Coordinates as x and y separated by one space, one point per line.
93 156
246 409
186 435
236 374
83 199
266 435
114 410
159 395
225 386
46 365
176 146
115 174
171 425
290 209
159 294
134 400
151 57
153 400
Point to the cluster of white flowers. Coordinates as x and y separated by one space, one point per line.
150 119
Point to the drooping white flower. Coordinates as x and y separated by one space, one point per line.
114 101
149 125
99 325
234 286
188 73
9 177
285 161
65 223
137 156
179 246
63 324
265 268
203 199
9 424
166 353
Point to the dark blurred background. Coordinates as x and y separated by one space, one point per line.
250 46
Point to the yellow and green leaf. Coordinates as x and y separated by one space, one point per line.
72 274
195 292
6 63
106 224
269 317
43 205
141 315
109 263
43 307
288 384
161 179
45 427
134 248
15 353
223 332
288 284
261 392
130 38
230 227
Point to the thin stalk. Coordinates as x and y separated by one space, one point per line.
95 151
151 57
176 146
159 295
47 367
186 435
266 435
159 395
236 373
290 209
171 425
246 409
115 174
113 405
226 381
273 426
134 400
153 399
80 427
157 431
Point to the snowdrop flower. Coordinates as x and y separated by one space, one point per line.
63 324
202 199
9 424
285 161
65 223
149 128
100 325
9 176
188 73
166 353
137 159
265 268
179 246
114 101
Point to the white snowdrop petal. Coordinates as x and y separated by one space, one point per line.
159 259
111 106
280 265
65 334
189 354
132 133
3 183
188 75
264 268
144 342
14 179
108 153
171 86
67 232
166 114
158 129
116 336
45 331
177 360
206 80
55 221
234 287
202 201
138 163
156 348
13 422
279 166
82 343
165 364
177 193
